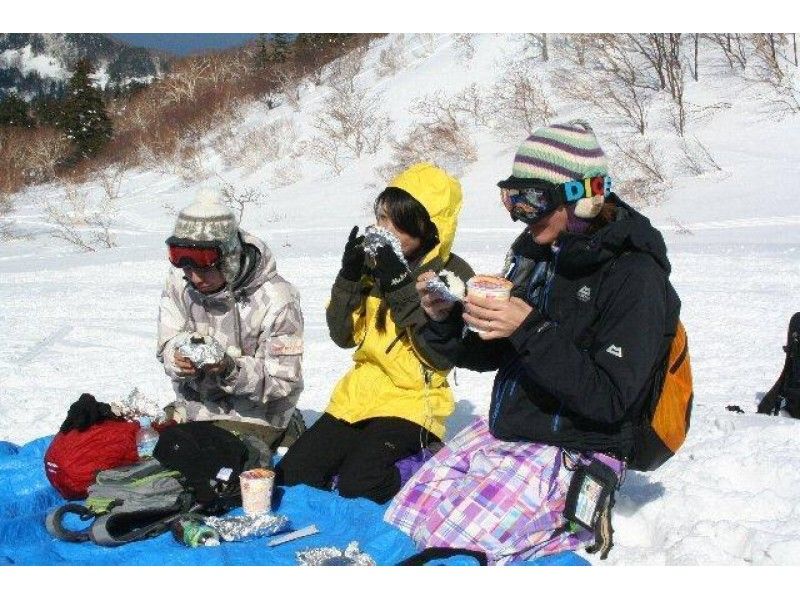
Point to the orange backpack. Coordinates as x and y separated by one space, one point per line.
666 416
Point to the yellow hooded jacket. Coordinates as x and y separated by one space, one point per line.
395 375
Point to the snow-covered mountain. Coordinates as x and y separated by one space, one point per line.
34 64
77 321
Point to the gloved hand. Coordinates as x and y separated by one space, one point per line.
85 412
223 367
353 257
389 270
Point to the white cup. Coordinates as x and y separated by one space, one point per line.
257 485
493 287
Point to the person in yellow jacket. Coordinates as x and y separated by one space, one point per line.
394 401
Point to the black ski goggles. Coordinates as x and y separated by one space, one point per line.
530 205
530 200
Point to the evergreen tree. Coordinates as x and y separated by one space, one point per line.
14 112
48 110
281 46
84 119
263 51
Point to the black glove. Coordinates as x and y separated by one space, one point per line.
389 270
353 258
84 412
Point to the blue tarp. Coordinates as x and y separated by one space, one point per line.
26 496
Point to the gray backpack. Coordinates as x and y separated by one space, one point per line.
125 504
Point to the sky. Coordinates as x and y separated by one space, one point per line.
184 43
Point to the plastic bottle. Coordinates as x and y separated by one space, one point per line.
146 438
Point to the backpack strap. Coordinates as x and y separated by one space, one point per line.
55 522
442 552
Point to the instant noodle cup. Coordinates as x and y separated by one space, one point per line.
492 287
257 485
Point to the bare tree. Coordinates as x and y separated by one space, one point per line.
78 222
680 227
662 52
465 44
612 81
343 71
111 179
733 48
653 47
641 179
6 208
471 102
441 132
442 143
697 159
578 45
285 175
696 73
350 126
390 58
640 154
251 150
673 70
425 44
43 153
287 82
519 101
329 152
239 198
181 86
772 70
536 43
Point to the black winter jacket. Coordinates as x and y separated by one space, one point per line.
577 372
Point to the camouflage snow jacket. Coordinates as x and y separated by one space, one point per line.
262 318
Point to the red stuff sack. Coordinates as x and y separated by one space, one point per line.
73 458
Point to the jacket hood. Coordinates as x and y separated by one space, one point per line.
441 195
631 231
258 267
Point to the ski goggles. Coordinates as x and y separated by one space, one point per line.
529 205
530 200
199 255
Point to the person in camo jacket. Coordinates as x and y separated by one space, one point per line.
224 284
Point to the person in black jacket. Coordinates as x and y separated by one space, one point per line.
589 322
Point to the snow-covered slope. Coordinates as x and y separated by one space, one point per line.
75 322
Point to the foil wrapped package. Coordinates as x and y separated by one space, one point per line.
332 556
136 405
376 237
241 527
201 350
446 285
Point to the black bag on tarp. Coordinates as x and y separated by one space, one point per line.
785 393
209 459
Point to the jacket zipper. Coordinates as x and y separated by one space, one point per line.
501 384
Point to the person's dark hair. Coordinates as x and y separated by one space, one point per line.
607 215
411 217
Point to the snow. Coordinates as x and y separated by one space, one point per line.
86 322
26 61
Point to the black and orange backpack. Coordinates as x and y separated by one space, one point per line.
665 417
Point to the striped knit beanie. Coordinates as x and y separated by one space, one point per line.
561 153
208 219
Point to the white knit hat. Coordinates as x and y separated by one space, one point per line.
209 219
